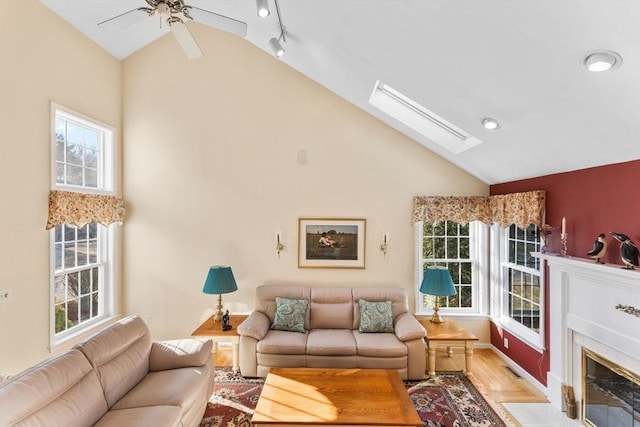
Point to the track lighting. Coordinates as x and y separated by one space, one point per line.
276 47
274 43
263 8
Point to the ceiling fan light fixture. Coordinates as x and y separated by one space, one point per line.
276 47
602 60
490 124
263 8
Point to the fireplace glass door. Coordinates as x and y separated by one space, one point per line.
611 394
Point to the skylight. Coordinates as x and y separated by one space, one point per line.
421 120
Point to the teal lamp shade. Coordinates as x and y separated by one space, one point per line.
219 281
437 281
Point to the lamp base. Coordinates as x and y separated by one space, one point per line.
435 317
217 317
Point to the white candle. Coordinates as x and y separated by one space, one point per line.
564 225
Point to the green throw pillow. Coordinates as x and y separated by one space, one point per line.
375 316
290 314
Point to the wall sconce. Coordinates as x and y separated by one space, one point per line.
383 246
279 245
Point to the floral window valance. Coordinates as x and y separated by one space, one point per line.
79 209
451 208
520 209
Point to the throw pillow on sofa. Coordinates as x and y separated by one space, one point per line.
290 314
375 316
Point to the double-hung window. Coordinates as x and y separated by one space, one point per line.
81 257
522 299
456 247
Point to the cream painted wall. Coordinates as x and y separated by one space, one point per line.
211 174
42 59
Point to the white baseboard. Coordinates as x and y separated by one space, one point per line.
513 365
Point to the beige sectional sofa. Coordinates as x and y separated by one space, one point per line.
333 336
119 377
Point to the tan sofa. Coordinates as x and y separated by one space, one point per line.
331 337
119 377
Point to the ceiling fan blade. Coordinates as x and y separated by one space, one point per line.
214 20
126 19
186 40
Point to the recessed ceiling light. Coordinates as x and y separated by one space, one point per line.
490 124
602 60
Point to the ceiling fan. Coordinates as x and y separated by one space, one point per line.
177 13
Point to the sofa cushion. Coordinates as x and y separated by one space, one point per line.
397 296
282 342
379 345
266 298
375 316
120 355
174 387
179 354
157 416
290 314
330 308
331 342
63 388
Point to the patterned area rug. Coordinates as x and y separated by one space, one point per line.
447 400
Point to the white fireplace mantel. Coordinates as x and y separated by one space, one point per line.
589 303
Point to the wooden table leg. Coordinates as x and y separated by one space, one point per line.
468 356
236 357
432 358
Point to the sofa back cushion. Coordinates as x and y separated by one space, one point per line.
397 296
62 390
266 299
120 356
331 308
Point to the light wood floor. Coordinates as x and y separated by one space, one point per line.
496 382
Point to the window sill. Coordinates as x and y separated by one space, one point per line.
465 316
68 341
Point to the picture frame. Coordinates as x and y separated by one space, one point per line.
331 242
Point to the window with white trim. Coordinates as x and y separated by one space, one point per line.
454 245
522 287
81 257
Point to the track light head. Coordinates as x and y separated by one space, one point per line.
263 8
276 47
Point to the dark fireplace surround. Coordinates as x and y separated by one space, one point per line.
610 393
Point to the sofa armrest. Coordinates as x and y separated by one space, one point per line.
179 354
256 325
408 328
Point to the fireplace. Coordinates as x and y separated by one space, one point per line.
594 339
610 393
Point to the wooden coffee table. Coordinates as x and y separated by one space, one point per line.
334 397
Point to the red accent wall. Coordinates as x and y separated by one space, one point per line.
595 200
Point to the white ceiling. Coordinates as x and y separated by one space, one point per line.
519 61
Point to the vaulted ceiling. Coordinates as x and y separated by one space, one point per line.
518 61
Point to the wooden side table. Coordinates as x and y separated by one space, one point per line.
446 334
213 331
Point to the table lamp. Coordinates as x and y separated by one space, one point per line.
219 281
437 281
